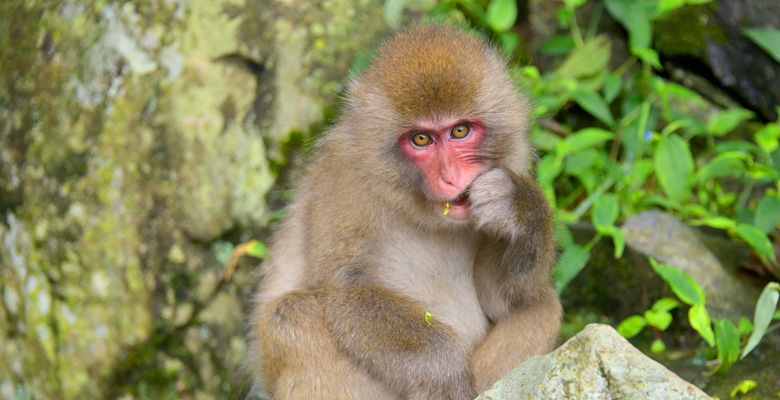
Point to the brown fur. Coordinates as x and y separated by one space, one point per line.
361 257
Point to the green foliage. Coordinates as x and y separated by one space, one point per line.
501 15
257 249
614 143
743 387
764 314
631 326
570 264
673 164
497 16
682 285
725 336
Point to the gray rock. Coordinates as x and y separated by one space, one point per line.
596 364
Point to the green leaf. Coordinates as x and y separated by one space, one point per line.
657 346
635 18
744 387
763 173
558 45
724 164
745 327
658 319
766 38
727 338
665 304
681 284
697 210
544 139
726 120
581 161
699 319
573 3
763 315
257 249
587 60
548 168
673 165
631 326
618 240
716 222
593 103
569 266
605 210
665 6
586 138
767 214
757 240
563 234
768 137
648 56
501 15
682 92
737 145
612 85
509 42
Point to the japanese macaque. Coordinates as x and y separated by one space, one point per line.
414 260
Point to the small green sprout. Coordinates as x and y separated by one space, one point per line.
743 387
428 314
446 207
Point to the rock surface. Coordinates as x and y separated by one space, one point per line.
712 35
596 364
135 140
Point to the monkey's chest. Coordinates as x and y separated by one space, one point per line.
437 272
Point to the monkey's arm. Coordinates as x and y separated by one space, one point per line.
387 334
512 273
530 328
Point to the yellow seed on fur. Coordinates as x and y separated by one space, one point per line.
447 207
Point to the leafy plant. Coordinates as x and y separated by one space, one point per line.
613 143
498 16
721 334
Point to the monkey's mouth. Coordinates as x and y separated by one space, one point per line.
462 199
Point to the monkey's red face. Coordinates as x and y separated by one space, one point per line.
447 154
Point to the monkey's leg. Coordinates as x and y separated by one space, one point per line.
301 359
388 335
530 329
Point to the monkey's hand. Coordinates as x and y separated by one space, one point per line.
511 207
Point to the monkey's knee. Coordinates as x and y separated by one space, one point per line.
294 320
301 358
287 332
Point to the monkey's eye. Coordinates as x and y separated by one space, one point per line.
421 139
460 131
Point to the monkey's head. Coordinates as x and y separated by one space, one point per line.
441 101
